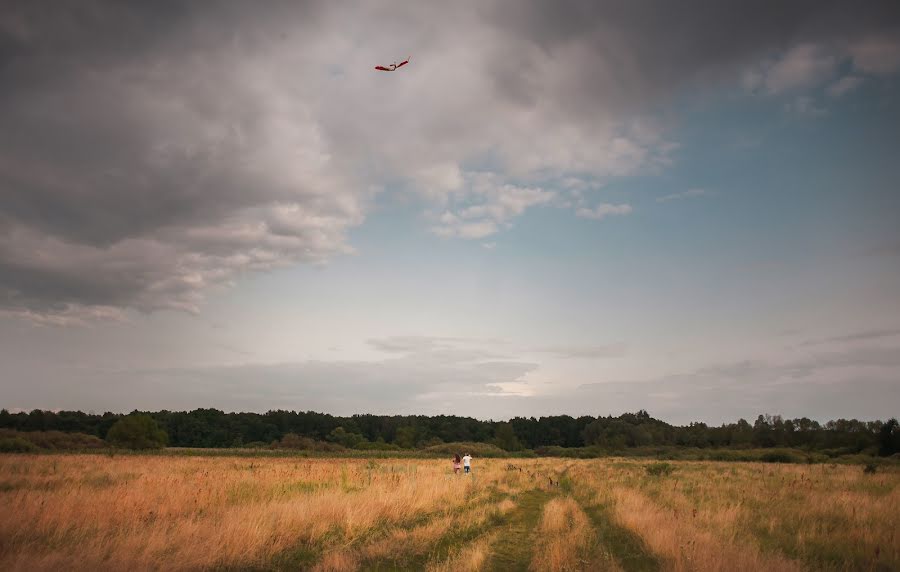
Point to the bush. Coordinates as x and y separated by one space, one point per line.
297 443
55 440
659 469
137 431
16 445
475 449
779 457
870 468
377 446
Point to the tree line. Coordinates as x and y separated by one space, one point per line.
215 428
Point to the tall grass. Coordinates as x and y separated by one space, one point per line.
753 516
563 538
96 512
93 512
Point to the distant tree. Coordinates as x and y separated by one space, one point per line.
340 436
889 438
16 445
137 431
762 432
505 437
215 428
406 437
638 436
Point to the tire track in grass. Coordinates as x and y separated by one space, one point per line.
613 540
626 547
439 550
512 550
305 555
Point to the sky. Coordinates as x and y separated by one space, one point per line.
578 207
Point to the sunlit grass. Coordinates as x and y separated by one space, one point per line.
95 512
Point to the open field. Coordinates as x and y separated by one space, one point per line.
89 512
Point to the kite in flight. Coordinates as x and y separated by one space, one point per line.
393 67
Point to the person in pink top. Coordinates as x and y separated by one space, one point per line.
456 463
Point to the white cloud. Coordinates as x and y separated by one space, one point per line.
603 210
844 85
803 66
264 149
68 315
486 204
688 194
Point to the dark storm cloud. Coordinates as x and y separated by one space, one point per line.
150 150
134 166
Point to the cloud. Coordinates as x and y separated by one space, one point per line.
855 337
70 315
688 194
853 382
603 210
428 380
150 152
586 352
808 65
485 204
877 54
844 85
411 344
803 66
804 105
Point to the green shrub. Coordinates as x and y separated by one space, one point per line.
55 440
297 443
475 449
779 456
659 469
16 445
137 431
376 446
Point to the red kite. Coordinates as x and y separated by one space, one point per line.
393 67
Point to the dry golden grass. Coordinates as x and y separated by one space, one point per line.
471 557
686 547
753 516
94 512
417 540
563 538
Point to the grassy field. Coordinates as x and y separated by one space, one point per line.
96 512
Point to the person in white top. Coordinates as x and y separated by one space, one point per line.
467 462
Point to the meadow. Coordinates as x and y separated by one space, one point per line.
151 512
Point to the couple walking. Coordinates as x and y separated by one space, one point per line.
466 462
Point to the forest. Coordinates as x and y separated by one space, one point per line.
212 428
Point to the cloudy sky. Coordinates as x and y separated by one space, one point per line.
570 207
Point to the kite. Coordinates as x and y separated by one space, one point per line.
393 67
